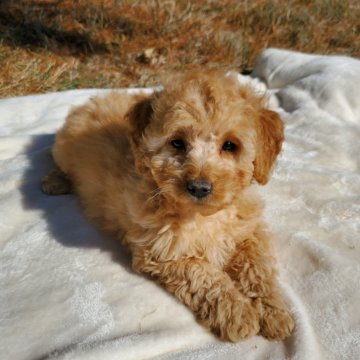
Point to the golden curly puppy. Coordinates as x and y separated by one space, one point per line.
170 174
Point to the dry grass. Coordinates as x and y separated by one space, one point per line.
52 45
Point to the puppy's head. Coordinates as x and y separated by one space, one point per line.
203 139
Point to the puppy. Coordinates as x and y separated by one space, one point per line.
170 174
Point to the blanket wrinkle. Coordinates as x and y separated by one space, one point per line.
67 291
330 85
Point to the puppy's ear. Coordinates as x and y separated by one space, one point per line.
270 136
139 118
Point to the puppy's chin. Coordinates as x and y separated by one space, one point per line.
187 205
202 207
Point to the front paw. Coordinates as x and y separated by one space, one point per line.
243 323
233 317
276 323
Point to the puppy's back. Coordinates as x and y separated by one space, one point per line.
93 132
93 149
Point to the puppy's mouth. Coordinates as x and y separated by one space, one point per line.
188 197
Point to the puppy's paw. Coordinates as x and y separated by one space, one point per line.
233 317
243 323
56 183
276 324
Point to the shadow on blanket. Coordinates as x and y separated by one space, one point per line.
66 222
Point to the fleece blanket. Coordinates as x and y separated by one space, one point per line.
67 291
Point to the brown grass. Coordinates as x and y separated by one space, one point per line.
53 45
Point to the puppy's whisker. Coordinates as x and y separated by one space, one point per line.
154 194
167 189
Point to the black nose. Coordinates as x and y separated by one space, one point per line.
199 188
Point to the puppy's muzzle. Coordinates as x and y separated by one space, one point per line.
199 188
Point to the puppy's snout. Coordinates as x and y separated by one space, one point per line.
199 188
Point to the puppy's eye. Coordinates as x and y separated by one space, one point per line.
178 144
229 146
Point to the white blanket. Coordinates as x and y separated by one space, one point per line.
68 292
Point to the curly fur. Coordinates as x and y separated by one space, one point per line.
212 253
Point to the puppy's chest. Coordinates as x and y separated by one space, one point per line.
213 238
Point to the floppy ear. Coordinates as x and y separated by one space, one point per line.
270 136
139 118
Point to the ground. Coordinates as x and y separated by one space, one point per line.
54 45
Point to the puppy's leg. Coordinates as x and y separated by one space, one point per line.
56 183
209 293
253 271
